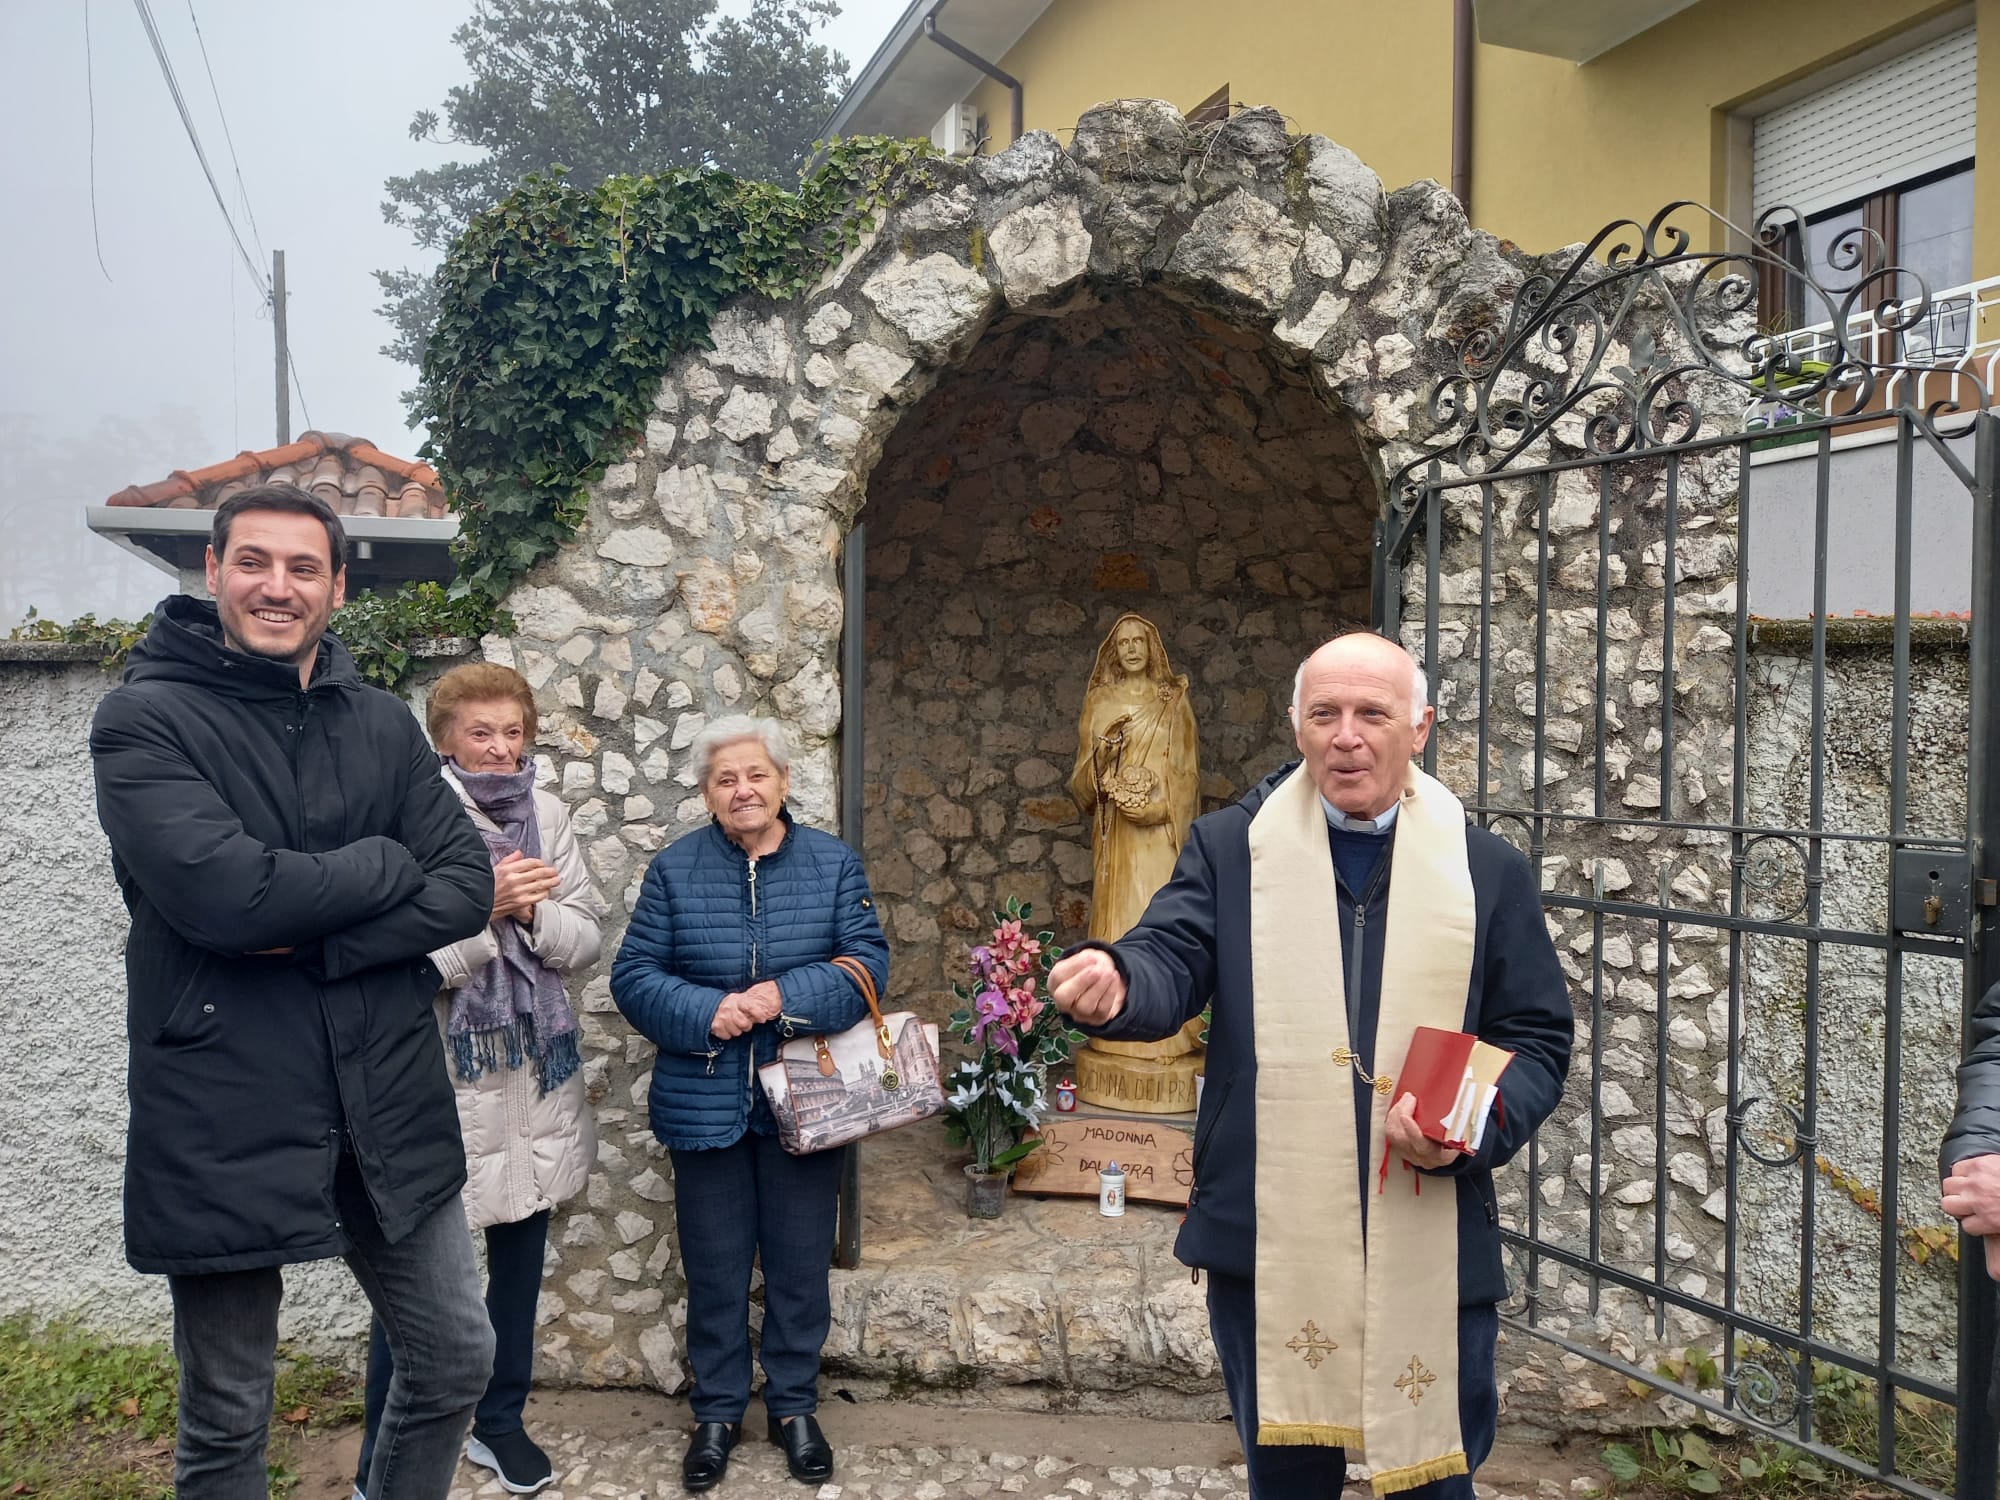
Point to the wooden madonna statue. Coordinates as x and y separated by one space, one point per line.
1136 777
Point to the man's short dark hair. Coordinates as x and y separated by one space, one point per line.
283 497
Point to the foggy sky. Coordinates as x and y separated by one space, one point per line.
168 363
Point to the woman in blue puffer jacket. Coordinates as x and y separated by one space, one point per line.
730 951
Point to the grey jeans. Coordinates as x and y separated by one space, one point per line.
424 1289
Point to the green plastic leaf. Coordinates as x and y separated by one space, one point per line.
1622 1462
1016 1153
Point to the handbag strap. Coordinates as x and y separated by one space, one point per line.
864 980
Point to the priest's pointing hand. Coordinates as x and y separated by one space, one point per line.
1087 987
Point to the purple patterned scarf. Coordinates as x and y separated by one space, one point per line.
513 1008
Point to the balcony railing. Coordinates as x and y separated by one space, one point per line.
1956 337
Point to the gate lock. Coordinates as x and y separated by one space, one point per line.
1931 892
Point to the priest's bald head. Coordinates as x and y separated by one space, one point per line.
1360 711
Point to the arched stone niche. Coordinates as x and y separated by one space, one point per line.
1131 453
1002 380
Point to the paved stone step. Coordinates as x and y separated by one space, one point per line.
623 1445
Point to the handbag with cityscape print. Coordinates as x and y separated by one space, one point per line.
828 1090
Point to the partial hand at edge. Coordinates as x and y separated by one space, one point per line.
1971 1195
1087 988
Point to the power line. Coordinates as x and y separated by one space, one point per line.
90 96
242 192
194 138
235 395
304 410
257 275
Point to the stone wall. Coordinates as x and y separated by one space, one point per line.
1134 455
1543 756
1659 994
1005 340
62 1009
705 581
1852 986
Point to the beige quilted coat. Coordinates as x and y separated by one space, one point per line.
526 1151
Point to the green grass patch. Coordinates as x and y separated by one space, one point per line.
85 1417
1844 1417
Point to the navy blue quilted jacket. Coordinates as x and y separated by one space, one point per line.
709 924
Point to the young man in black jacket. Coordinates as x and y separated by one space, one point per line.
289 855
1354 1263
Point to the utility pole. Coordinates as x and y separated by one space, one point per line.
278 327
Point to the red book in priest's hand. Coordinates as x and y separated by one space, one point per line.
1456 1078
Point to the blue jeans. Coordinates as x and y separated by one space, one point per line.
1297 1473
734 1205
513 1286
424 1288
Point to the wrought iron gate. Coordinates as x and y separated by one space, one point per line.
1770 871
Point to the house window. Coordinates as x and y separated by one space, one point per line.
1924 226
1888 150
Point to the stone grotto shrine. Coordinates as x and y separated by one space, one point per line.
1165 368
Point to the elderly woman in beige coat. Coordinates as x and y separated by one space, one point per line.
511 1036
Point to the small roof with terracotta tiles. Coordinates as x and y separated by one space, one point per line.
351 474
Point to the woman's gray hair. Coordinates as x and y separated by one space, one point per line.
734 730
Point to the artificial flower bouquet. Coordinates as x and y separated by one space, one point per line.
995 1097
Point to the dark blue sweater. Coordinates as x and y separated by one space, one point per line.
1355 854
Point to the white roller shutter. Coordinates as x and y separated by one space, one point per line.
1900 119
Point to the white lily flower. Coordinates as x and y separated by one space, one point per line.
965 1097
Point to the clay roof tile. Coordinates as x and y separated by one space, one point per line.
350 473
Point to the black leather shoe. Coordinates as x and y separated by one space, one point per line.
708 1455
807 1452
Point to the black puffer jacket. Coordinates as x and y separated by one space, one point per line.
1975 1128
245 814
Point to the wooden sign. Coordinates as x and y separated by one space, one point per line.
1157 1159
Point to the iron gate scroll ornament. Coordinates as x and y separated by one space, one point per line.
1616 358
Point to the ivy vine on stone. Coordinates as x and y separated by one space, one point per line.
561 309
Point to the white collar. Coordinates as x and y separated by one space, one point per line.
1337 819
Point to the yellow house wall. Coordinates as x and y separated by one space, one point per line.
1388 101
1561 149
1558 149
